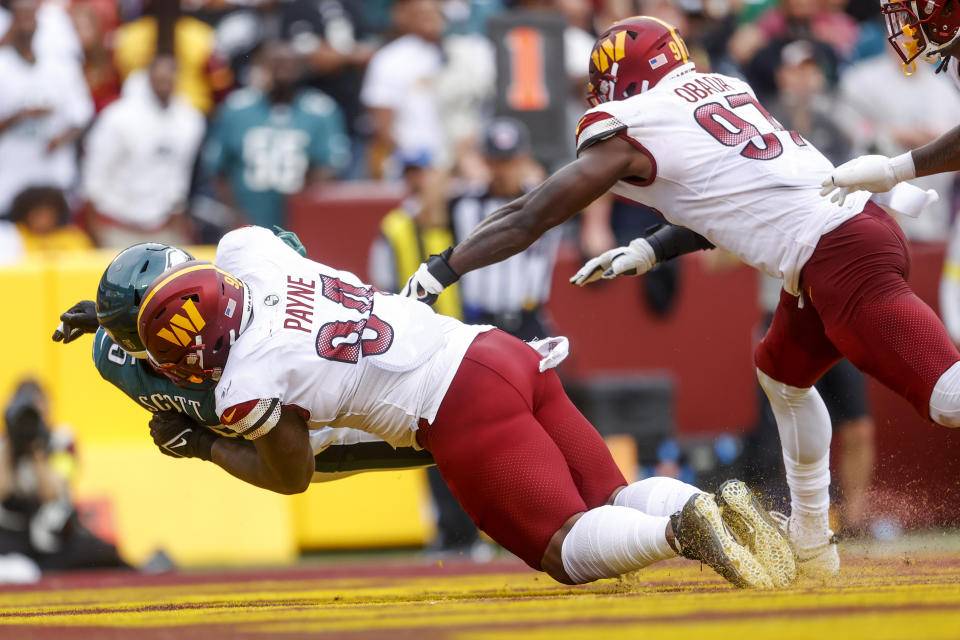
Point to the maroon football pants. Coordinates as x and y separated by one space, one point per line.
857 304
515 452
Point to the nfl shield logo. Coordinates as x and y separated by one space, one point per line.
658 62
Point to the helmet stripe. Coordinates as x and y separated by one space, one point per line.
620 42
166 281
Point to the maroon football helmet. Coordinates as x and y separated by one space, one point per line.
921 28
632 56
189 318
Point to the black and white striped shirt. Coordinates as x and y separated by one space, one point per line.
517 283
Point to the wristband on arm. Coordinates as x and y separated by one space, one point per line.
903 167
670 241
439 267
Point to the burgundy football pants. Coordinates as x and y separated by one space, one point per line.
857 304
513 449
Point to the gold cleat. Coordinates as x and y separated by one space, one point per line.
701 534
757 530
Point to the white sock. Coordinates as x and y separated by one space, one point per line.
657 496
805 432
609 541
945 399
809 487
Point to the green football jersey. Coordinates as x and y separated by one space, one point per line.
149 389
266 151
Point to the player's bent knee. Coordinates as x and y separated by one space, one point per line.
945 398
777 390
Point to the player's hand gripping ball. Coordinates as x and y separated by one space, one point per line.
180 437
79 319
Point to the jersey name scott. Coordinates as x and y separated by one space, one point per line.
298 314
166 402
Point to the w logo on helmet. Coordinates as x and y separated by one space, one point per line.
608 51
177 332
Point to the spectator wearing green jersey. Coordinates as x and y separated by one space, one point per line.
270 142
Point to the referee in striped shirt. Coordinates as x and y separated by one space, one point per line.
509 295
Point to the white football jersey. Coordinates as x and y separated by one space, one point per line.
322 341
725 168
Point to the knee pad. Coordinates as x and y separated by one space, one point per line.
945 398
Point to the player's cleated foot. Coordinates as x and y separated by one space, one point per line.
758 531
701 535
816 548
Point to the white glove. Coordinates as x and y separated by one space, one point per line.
868 173
633 260
422 286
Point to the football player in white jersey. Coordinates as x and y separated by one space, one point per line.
292 343
700 149
928 30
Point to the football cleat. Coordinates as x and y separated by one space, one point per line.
816 549
701 534
757 531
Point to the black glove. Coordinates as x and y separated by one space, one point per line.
79 319
431 278
180 437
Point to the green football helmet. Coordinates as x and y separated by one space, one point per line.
123 285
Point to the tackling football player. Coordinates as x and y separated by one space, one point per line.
928 30
700 148
293 343
185 420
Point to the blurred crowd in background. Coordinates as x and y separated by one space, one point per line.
177 120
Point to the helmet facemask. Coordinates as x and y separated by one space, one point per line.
921 29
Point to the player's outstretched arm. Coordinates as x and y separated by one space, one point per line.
943 154
339 460
515 226
661 243
880 173
79 319
281 460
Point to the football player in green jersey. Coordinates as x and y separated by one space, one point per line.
185 421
